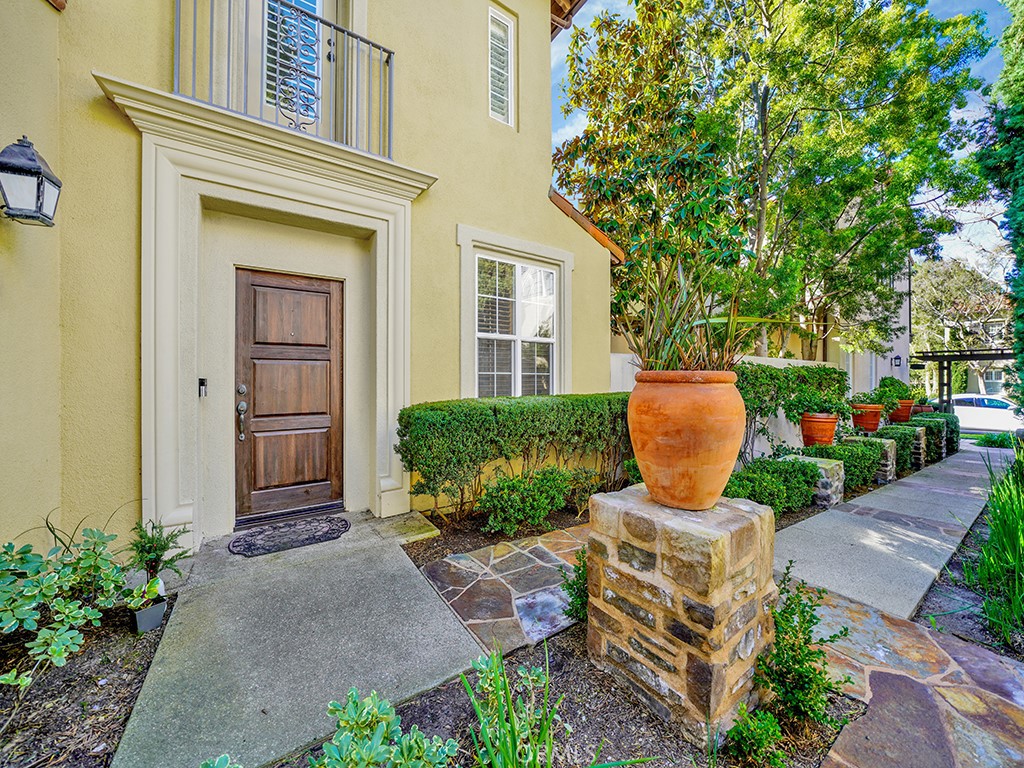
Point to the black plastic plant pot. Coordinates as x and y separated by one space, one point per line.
149 618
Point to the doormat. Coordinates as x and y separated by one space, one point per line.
290 534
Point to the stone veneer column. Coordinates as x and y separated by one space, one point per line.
887 465
832 484
920 456
679 602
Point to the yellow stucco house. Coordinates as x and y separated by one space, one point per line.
280 222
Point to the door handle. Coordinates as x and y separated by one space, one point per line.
242 407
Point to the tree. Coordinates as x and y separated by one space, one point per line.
957 307
837 115
1001 161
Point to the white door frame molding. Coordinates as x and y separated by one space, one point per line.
196 157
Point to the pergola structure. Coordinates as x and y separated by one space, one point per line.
946 357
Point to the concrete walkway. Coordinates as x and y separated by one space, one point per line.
885 548
256 648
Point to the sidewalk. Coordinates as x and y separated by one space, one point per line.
885 548
256 648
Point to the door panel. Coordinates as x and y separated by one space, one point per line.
288 419
291 387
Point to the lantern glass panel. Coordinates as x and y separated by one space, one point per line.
19 190
50 194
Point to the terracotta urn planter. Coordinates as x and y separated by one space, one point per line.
687 429
818 428
902 413
866 415
922 409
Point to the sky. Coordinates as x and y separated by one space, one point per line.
972 236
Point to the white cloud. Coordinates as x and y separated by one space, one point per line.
572 127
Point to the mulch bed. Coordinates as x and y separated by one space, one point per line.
73 716
467 535
599 710
949 606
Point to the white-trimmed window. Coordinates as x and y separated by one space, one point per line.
515 328
501 75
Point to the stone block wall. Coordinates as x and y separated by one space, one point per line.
887 466
680 602
830 488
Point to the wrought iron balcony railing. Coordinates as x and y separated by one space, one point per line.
280 62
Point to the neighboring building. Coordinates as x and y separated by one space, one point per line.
276 229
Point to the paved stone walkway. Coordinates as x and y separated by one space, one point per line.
885 548
256 648
934 701
509 595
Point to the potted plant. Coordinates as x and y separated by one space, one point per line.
869 407
901 391
684 300
817 413
150 546
148 606
921 404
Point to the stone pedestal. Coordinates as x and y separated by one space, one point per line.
831 486
920 455
679 602
887 465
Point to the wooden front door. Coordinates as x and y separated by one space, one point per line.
288 394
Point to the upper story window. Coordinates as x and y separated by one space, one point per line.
515 326
501 75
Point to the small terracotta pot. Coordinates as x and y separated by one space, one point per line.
687 429
818 428
866 415
921 409
902 413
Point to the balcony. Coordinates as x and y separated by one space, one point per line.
281 63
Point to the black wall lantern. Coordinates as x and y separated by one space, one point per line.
897 361
29 189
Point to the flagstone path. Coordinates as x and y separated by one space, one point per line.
509 595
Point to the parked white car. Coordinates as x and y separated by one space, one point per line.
986 413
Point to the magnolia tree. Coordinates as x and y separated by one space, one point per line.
829 122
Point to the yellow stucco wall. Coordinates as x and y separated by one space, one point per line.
30 459
70 296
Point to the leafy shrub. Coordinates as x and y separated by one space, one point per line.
934 438
370 735
904 435
575 587
511 502
51 596
150 546
795 670
584 482
877 396
632 470
952 429
995 440
860 460
815 389
785 486
999 572
452 446
755 738
895 387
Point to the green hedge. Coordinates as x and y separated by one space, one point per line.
785 486
860 460
952 429
935 435
904 436
453 446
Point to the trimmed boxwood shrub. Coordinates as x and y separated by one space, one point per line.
860 460
934 436
952 428
454 446
785 486
513 502
904 436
